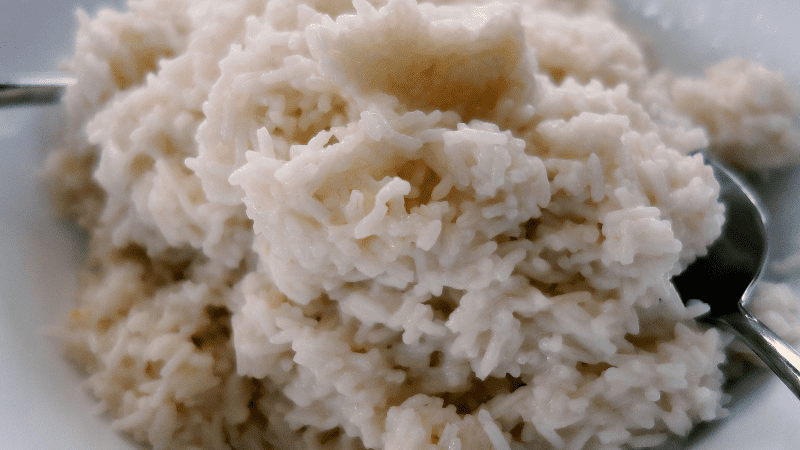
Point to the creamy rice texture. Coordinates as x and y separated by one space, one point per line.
399 225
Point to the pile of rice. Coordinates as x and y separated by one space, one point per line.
334 225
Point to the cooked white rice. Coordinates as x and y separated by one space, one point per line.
325 225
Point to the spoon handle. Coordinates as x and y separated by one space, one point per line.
14 94
43 89
774 351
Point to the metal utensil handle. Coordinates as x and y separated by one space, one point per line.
21 94
774 351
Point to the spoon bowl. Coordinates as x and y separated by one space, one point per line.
725 276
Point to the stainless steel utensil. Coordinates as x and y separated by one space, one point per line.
42 89
724 277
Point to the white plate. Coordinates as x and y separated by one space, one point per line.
42 403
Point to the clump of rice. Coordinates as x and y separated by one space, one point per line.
395 225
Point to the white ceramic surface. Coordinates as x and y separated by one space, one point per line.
42 403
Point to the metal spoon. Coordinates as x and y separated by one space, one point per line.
43 89
724 277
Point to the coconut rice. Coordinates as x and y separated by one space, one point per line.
398 225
